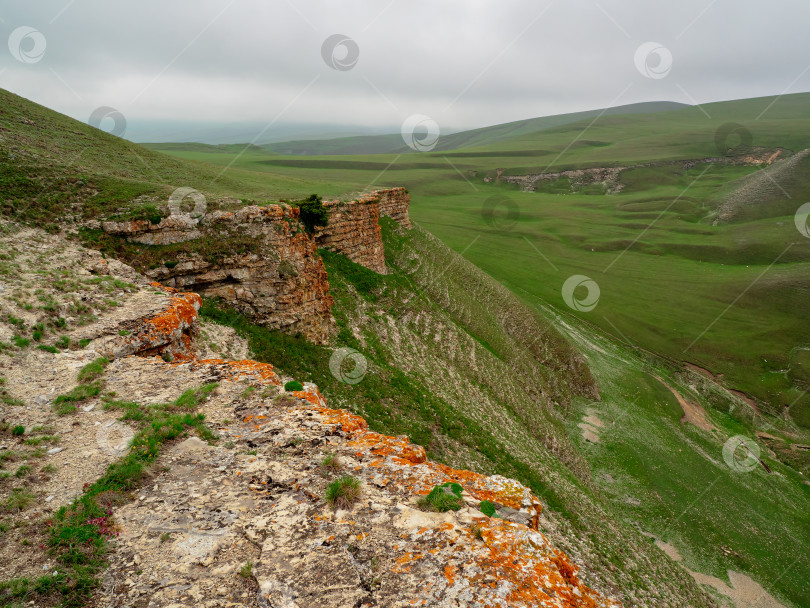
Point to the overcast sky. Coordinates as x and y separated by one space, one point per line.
464 63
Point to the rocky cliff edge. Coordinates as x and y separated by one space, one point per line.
243 520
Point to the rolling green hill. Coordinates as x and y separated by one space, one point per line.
393 144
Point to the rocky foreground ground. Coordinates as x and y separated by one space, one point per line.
239 517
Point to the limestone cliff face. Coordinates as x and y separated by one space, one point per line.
354 231
395 203
354 226
261 261
257 259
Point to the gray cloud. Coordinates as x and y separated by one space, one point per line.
465 64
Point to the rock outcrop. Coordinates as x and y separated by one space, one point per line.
354 231
259 260
354 226
244 521
213 509
396 204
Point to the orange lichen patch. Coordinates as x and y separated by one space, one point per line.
247 369
315 398
349 422
170 331
450 574
402 455
527 570
182 312
163 287
382 445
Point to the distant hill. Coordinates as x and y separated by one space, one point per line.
393 144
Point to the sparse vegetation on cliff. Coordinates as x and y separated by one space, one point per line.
444 497
313 213
343 492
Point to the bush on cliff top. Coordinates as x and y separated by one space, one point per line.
313 213
293 385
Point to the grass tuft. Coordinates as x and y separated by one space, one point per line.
330 464
93 371
343 493
444 497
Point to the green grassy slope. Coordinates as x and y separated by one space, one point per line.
54 169
721 296
671 478
392 144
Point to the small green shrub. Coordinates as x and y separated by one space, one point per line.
444 497
194 396
9 400
18 430
124 332
488 509
23 470
18 500
313 213
20 342
84 342
249 390
63 342
293 385
246 571
147 212
48 349
343 493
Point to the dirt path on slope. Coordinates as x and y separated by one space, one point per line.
692 412
744 591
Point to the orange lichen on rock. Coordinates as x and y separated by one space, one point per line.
408 463
527 570
464 558
171 331
246 369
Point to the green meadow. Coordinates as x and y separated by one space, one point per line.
728 297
